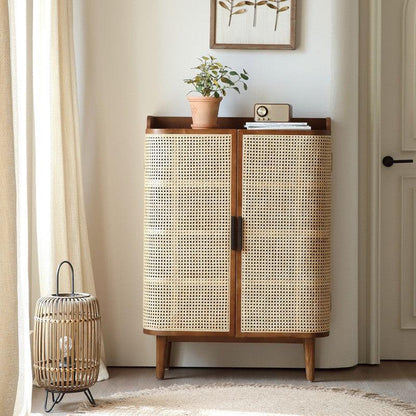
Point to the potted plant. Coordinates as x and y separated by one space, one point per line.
212 81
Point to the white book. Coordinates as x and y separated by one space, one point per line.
281 128
276 123
277 126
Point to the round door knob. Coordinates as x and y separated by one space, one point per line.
388 161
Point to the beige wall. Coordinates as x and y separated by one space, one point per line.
131 59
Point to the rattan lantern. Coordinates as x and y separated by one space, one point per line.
67 335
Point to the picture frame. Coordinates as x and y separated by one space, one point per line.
253 24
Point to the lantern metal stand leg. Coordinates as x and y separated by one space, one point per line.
61 395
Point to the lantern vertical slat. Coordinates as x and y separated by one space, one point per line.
59 352
79 343
89 345
98 337
71 352
57 356
84 364
92 332
66 348
75 346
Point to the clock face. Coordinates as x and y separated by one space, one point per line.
262 111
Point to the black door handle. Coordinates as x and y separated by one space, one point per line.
389 161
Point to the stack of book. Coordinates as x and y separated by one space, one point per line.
277 125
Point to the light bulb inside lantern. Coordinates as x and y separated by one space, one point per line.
65 345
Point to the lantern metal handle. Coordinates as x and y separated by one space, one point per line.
72 277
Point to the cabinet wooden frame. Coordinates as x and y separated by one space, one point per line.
233 127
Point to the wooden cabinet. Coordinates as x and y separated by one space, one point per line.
236 234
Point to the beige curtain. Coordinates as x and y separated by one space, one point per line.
15 364
9 360
61 227
57 216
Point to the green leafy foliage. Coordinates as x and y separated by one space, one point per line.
213 78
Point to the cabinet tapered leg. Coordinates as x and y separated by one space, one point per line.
161 347
167 354
309 347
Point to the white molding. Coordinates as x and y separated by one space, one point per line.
374 157
409 76
414 252
407 307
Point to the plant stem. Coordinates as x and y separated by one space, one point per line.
231 12
277 17
255 13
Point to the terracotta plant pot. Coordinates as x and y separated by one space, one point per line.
204 111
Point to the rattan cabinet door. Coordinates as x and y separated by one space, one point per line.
286 210
187 209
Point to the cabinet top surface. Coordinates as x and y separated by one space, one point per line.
182 125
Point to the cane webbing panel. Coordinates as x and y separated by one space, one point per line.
187 209
286 210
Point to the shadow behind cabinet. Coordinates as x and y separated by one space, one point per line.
236 234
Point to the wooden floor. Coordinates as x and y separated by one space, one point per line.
391 378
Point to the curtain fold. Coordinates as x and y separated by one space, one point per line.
9 359
61 226
15 361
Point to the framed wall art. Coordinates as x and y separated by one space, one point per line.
253 24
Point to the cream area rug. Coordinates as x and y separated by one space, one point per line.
249 400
